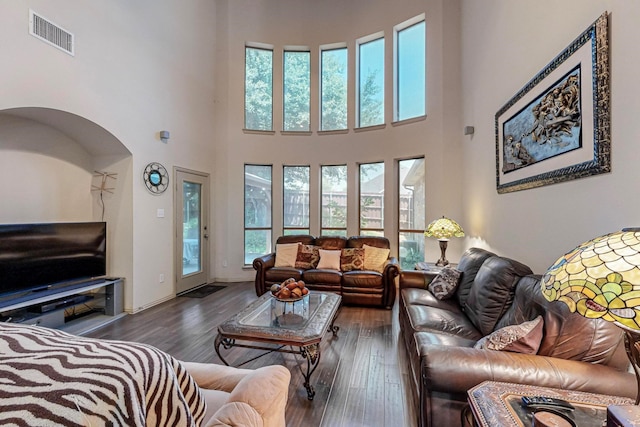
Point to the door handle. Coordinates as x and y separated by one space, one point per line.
206 236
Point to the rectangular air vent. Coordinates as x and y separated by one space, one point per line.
50 33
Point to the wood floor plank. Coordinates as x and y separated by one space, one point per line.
361 379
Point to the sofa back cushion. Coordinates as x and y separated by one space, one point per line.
566 335
492 291
360 241
305 239
331 243
469 264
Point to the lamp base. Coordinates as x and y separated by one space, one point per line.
443 248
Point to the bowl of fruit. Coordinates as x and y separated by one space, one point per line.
290 290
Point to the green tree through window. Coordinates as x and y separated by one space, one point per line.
334 89
297 90
258 88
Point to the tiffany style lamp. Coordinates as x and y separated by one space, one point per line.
600 279
443 229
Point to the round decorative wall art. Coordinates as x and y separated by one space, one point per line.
155 178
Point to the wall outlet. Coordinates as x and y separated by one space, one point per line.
161 278
224 263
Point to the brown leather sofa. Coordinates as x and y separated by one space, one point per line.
359 287
493 292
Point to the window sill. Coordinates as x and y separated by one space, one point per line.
368 128
333 132
296 132
259 132
408 121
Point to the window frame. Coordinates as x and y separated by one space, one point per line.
360 42
400 229
263 47
329 48
346 206
286 228
295 49
244 213
371 231
397 29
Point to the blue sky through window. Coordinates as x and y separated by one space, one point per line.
411 72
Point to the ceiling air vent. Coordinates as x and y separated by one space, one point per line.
50 33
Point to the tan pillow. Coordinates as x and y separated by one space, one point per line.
523 338
375 258
329 260
286 254
308 257
444 285
352 259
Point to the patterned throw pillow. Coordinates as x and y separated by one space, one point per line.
375 258
308 257
444 285
523 338
352 259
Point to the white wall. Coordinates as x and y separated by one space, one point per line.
140 67
505 44
308 23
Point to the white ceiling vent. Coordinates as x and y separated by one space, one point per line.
50 33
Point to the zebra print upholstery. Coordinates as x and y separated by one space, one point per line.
49 377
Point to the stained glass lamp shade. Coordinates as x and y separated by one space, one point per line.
600 279
443 229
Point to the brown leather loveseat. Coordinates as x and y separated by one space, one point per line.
358 286
493 292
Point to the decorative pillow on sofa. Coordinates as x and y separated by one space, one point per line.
375 258
329 260
286 254
523 338
444 285
308 257
352 259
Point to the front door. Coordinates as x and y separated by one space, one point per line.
192 229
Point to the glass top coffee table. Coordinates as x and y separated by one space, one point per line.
300 324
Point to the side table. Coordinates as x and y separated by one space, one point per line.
497 404
431 266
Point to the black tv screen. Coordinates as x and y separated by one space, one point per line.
39 256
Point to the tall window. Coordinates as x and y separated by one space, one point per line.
297 90
334 201
333 96
372 199
371 83
410 81
257 211
258 89
295 199
411 210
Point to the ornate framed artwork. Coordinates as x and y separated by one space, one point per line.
556 128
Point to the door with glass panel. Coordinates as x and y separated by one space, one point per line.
192 229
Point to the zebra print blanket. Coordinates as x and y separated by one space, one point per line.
48 378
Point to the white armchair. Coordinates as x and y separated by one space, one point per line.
242 397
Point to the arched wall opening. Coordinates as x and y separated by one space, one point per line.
52 169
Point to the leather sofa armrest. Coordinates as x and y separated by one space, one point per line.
416 278
261 265
389 274
457 369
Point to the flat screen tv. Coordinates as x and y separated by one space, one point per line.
36 257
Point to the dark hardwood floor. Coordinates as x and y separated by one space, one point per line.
362 378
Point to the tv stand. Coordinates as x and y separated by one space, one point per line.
78 308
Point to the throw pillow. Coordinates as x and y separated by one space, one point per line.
352 259
329 260
308 257
286 254
523 338
375 258
444 285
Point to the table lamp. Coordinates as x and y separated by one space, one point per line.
443 229
600 279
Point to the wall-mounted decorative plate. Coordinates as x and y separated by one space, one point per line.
155 178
